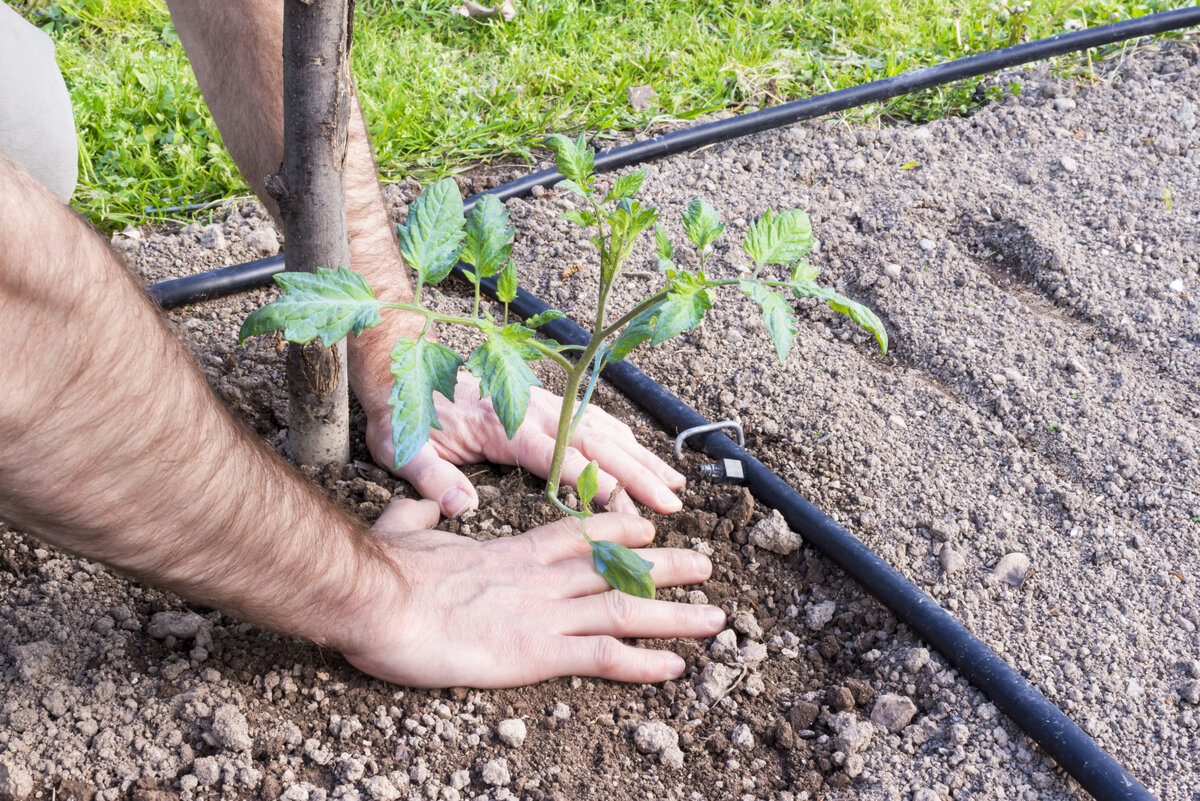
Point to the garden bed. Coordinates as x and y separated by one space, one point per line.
1037 266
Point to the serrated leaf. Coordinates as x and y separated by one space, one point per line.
539 320
623 569
504 376
588 484
777 315
682 309
421 368
431 237
489 240
639 329
328 304
851 308
803 271
627 186
574 159
572 187
627 221
506 284
779 238
662 244
581 217
702 224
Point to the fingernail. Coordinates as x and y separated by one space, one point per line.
455 502
672 477
674 665
714 616
669 500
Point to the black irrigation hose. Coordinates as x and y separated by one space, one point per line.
239 278
1044 723
1079 755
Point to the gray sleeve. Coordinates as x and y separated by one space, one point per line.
37 126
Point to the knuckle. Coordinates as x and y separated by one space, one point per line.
606 654
621 608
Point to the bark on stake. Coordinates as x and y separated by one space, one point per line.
310 188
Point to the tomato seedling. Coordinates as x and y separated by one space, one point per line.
332 303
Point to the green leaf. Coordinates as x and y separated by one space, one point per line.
852 309
539 320
639 329
627 221
574 159
431 237
489 239
328 304
587 484
779 238
506 284
421 368
702 225
581 217
683 308
623 569
777 316
500 365
662 243
803 271
627 186
572 187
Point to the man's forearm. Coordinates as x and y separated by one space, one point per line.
236 52
113 447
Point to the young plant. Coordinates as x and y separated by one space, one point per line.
330 304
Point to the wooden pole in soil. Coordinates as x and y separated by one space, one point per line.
310 188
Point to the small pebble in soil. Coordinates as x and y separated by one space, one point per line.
495 773
816 616
724 646
772 534
1069 164
741 737
15 781
1011 569
715 680
951 560
511 732
893 712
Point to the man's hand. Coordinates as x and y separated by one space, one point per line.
518 610
471 433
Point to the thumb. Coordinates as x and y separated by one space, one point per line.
438 480
405 514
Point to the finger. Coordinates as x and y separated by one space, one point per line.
438 480
621 434
609 658
404 514
574 463
563 539
672 567
642 483
620 614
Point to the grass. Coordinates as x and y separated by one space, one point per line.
442 92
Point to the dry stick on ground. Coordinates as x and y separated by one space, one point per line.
310 188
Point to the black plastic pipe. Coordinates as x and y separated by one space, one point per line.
1080 756
239 278
1043 722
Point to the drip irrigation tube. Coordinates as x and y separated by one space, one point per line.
1079 755
242 277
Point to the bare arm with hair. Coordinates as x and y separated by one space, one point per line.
236 52
113 447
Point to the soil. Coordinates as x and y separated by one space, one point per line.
1038 273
